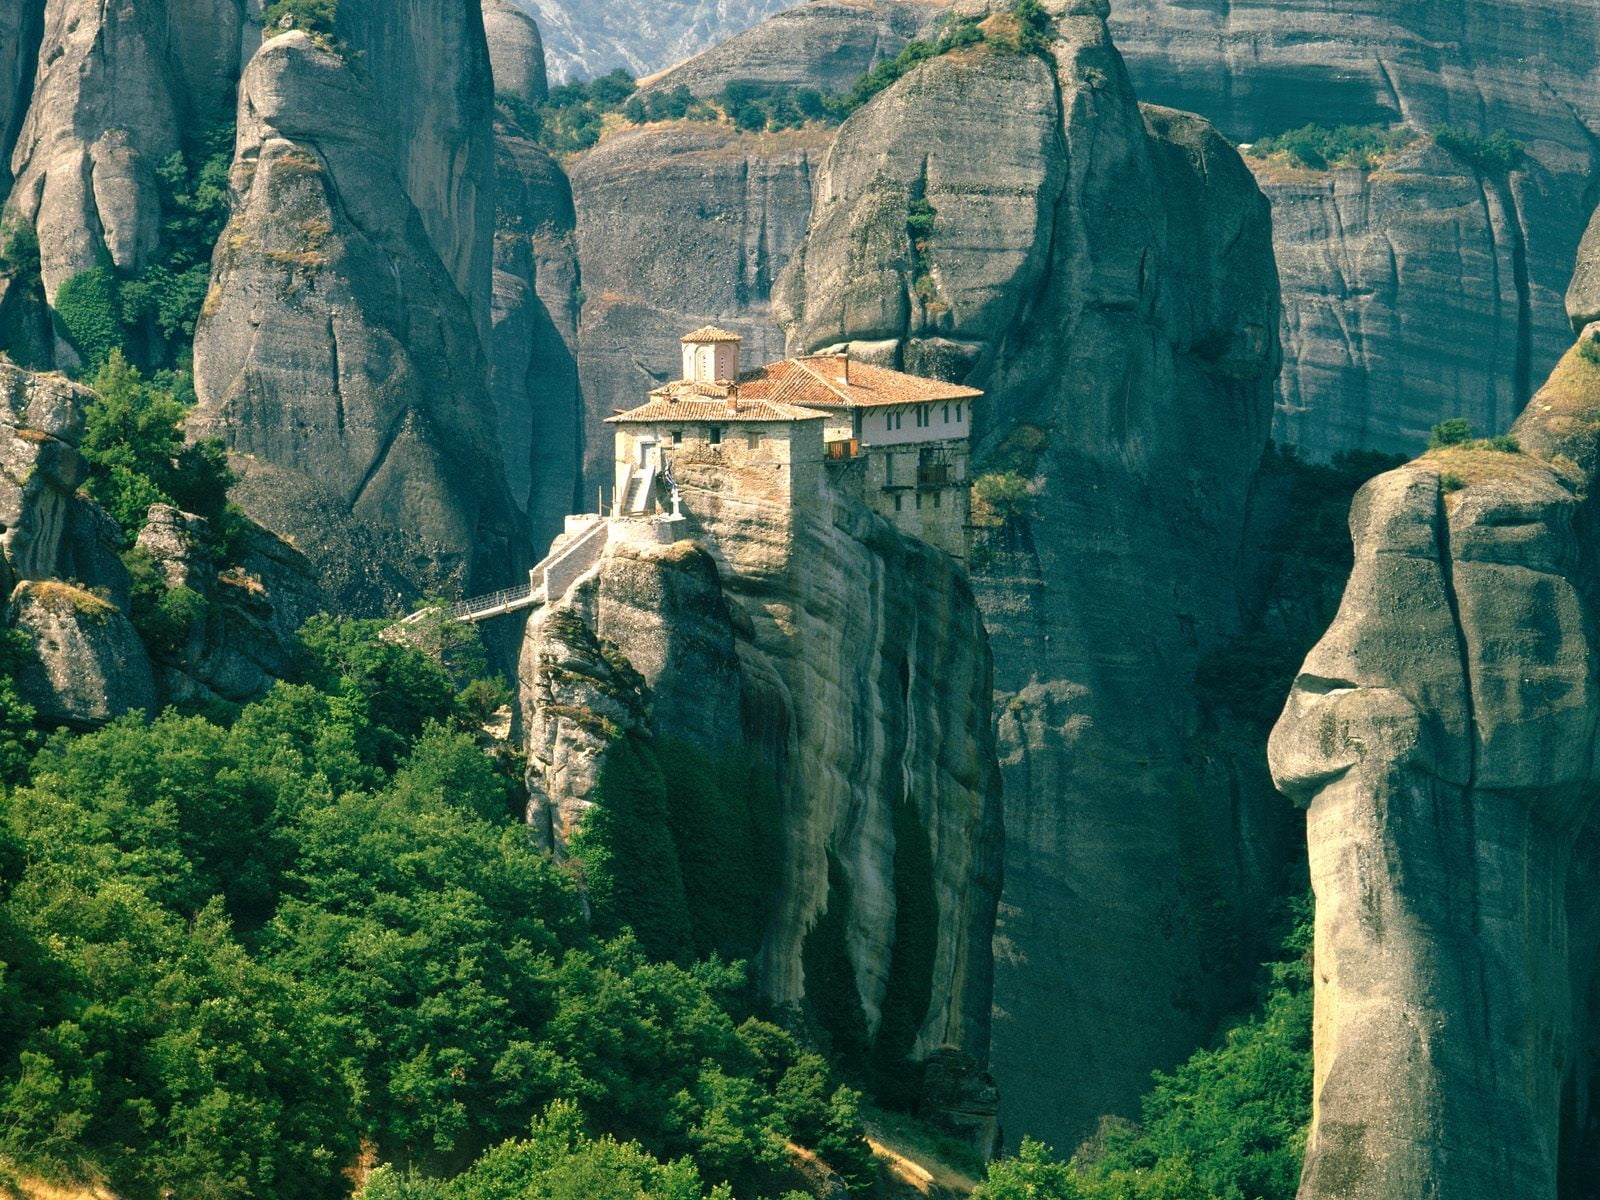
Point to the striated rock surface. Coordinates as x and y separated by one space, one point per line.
1442 736
89 665
1429 289
584 39
427 66
116 87
852 663
516 52
1415 293
827 45
535 340
721 212
336 355
1105 273
21 25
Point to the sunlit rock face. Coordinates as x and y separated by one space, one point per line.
337 353
1442 737
1105 273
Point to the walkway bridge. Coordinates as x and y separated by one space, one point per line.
551 578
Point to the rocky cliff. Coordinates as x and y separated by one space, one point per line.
1429 288
851 664
586 38
21 25
1442 736
827 45
1106 274
721 211
63 567
115 89
337 354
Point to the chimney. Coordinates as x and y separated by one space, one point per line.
844 366
733 402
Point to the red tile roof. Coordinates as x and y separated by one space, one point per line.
667 405
709 334
792 390
832 381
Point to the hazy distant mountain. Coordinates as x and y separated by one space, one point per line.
584 38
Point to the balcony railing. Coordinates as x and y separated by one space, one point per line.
838 451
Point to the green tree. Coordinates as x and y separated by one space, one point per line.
630 864
1454 432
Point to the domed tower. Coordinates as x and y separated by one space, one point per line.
711 355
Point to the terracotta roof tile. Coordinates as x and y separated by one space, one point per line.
709 334
661 407
833 381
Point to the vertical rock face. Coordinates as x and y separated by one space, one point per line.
534 360
852 662
21 24
88 664
427 64
1443 738
1414 293
1106 274
116 84
516 52
336 354
721 212
1379 342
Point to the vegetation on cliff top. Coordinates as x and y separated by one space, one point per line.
238 952
1365 147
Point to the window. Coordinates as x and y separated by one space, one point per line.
958 413
919 500
754 440
716 435
898 499
947 414
677 437
936 496
888 471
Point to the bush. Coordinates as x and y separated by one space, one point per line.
89 307
313 16
1454 432
1001 498
1323 148
1497 154
1505 443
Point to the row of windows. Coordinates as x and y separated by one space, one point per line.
924 415
714 436
900 497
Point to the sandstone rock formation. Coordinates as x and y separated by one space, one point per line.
427 65
1443 737
21 25
1428 289
89 664
240 636
534 344
1106 274
852 662
584 40
1414 293
117 86
714 257
516 52
827 45
47 531
336 354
